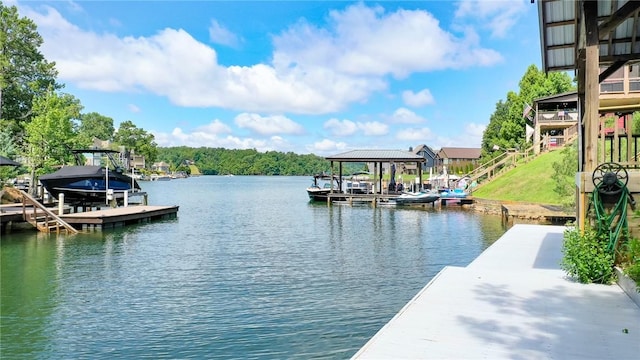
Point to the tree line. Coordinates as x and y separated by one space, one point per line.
220 161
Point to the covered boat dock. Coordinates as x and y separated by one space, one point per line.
378 158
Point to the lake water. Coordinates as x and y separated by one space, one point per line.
249 269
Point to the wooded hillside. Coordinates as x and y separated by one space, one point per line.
220 161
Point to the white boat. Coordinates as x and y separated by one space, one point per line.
317 192
417 198
359 183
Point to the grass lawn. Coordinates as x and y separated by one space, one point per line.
530 182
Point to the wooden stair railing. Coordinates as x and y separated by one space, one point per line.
42 218
507 161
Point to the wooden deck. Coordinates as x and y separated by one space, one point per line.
389 199
117 217
512 302
11 216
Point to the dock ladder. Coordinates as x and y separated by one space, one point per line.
42 218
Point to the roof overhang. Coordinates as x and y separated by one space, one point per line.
376 156
562 34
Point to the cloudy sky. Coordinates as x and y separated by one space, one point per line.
318 77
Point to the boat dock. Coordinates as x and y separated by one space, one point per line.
96 220
512 302
118 217
376 199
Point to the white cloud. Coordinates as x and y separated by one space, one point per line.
374 128
314 70
406 116
421 135
221 35
326 146
499 16
133 108
470 137
366 41
341 127
421 98
347 127
208 136
268 125
215 127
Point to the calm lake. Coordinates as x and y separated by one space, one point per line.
249 269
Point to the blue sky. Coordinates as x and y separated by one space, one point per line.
318 77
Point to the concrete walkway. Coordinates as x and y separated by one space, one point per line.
512 302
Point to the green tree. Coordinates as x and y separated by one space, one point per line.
24 72
51 133
7 149
137 139
94 125
636 123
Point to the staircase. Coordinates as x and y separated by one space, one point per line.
42 218
505 162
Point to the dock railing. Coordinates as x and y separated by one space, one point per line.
42 218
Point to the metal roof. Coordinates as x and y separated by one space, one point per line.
562 32
564 97
376 155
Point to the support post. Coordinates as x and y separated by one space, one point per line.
60 204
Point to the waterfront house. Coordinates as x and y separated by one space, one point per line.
161 167
597 40
429 156
555 118
457 160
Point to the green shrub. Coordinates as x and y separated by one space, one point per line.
631 266
585 257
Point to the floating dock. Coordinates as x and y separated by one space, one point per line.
118 217
96 220
387 199
512 302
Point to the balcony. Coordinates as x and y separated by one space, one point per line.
559 119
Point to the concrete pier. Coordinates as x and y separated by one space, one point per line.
512 302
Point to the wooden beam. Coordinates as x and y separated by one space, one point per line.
592 88
617 17
625 57
611 69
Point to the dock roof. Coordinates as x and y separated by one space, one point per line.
376 155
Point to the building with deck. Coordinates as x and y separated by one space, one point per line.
597 40
458 159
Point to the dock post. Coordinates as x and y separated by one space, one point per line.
60 204
145 199
126 198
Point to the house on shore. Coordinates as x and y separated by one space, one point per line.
457 160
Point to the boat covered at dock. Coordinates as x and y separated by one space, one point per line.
89 182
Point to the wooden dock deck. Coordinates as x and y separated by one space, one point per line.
512 302
387 199
97 220
117 217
